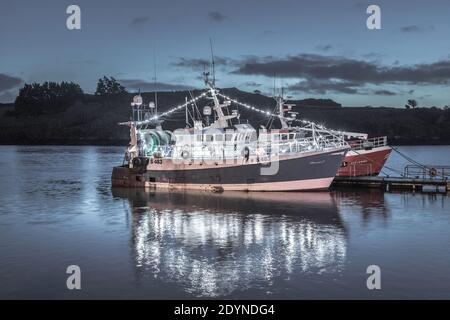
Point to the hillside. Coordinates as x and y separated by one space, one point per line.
93 120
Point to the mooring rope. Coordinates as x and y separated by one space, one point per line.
425 167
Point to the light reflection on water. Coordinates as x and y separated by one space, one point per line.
214 244
58 208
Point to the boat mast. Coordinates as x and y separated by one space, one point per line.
186 110
213 64
222 119
280 103
154 84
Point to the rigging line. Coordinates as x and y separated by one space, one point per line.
416 162
189 115
409 158
298 120
168 112
268 113
270 121
196 107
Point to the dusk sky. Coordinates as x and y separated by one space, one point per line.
320 49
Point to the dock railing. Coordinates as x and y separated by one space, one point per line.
427 172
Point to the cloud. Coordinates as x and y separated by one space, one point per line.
217 16
334 86
269 32
324 47
320 73
414 28
137 84
252 84
360 5
201 64
320 67
8 82
324 86
138 21
305 66
384 93
374 56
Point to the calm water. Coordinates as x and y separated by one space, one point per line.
58 209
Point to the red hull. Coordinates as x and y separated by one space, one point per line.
364 162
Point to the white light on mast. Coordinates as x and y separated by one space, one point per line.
137 101
207 111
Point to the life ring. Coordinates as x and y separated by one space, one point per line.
185 154
433 172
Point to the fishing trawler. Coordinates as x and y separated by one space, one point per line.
366 157
227 154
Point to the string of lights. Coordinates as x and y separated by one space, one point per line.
247 106
267 113
317 128
166 113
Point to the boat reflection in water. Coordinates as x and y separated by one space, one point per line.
213 245
368 204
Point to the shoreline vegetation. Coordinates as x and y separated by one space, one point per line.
61 114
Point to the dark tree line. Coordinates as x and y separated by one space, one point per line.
46 98
52 97
94 119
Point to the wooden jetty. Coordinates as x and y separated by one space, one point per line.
395 183
425 178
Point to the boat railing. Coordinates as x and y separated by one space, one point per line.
427 171
371 143
258 149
